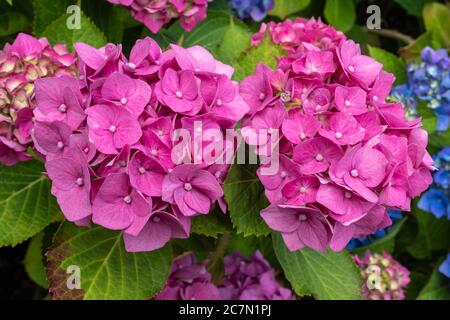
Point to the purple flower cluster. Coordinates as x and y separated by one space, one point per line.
345 154
21 64
189 280
156 13
383 277
249 278
110 138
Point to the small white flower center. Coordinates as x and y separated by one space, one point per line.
156 219
302 135
302 217
351 69
262 96
348 194
283 174
319 157
141 170
187 186
179 94
347 103
154 152
122 163
123 100
79 181
60 145
86 150
354 173
131 65
62 108
338 135
303 190
219 102
112 128
127 199
375 98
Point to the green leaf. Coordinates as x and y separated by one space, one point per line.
433 235
26 205
412 7
12 22
436 17
47 11
34 261
437 288
414 50
10 2
235 40
245 197
284 8
200 245
429 119
210 32
57 32
249 245
107 271
165 36
265 53
108 18
325 276
391 63
440 139
211 225
386 243
340 13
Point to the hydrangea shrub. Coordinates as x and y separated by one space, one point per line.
224 159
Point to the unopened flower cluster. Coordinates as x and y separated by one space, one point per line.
155 14
109 142
255 9
245 278
346 155
428 81
436 199
21 64
383 277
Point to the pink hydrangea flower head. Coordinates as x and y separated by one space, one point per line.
156 14
22 65
343 151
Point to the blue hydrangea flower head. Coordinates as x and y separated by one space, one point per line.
445 267
436 200
429 81
254 9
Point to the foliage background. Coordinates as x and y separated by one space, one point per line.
419 241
